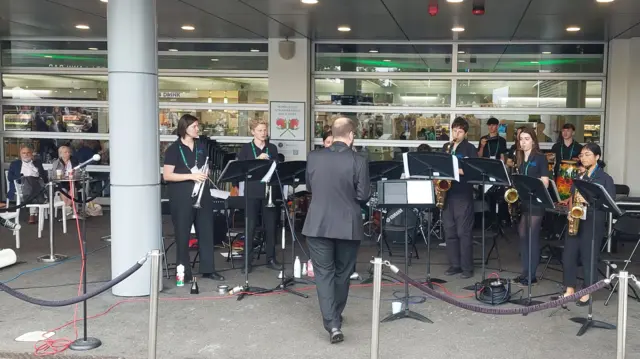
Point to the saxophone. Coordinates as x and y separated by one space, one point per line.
576 212
511 197
442 186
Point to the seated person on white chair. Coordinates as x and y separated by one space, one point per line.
26 166
65 163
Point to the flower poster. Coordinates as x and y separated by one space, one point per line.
287 121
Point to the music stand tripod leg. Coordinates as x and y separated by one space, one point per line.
427 240
379 254
284 281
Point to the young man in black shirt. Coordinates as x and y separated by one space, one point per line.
458 211
567 148
492 145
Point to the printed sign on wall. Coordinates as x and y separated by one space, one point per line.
287 121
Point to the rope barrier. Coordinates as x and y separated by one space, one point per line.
62 191
78 299
497 311
26 203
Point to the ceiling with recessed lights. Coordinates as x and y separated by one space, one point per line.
367 19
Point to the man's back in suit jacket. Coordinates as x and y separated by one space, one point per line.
338 180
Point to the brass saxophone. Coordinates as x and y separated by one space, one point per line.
442 186
576 212
511 197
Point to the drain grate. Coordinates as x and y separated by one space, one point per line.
31 356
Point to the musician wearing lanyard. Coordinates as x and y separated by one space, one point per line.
259 148
457 214
492 145
182 161
579 246
533 164
567 148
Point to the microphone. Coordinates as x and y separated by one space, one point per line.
95 158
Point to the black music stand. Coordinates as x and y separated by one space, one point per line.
432 166
406 194
247 171
381 171
288 174
532 191
484 171
599 199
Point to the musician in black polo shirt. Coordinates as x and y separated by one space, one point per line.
182 163
259 148
457 214
567 148
492 145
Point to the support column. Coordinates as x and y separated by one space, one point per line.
134 139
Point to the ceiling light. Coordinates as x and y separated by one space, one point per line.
460 60
534 62
188 28
255 50
461 52
309 1
93 48
373 51
48 56
82 27
344 28
458 29
546 52
104 0
455 1
573 28
215 60
604 0
385 60
173 50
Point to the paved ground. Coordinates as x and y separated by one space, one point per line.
287 326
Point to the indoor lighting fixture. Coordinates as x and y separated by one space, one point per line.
173 50
546 52
461 61
48 56
93 48
188 28
386 60
255 50
215 60
457 29
82 27
604 0
373 51
534 62
573 28
104 0
344 28
461 52
455 1
311 2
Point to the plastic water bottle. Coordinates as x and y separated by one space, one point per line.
180 276
297 268
310 269
304 268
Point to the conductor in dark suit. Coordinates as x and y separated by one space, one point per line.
338 179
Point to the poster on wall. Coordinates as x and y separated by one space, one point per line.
291 150
287 121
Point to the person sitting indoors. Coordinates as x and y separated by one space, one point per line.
65 163
24 170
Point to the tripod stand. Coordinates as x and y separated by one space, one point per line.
427 241
598 200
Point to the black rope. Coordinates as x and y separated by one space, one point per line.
64 193
26 203
497 311
74 300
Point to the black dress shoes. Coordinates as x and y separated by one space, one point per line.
273 264
214 276
336 336
453 271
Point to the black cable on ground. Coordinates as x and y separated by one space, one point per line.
497 311
78 299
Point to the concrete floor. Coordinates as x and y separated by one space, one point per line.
285 325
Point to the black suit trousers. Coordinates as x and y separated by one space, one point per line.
183 216
579 247
334 261
457 218
270 223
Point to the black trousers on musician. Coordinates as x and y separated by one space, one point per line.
333 264
579 247
523 233
458 218
270 217
184 216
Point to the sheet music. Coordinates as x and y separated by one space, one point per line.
267 177
421 192
407 173
216 193
456 166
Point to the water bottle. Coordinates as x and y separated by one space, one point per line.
297 268
180 276
304 268
310 269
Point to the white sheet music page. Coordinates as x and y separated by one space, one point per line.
267 177
456 167
405 163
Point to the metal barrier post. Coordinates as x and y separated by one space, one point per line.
375 317
623 293
153 302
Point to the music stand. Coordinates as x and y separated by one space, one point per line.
432 166
381 171
247 171
406 194
484 171
597 198
532 191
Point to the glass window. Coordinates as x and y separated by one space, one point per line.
213 56
212 122
390 126
547 58
55 119
542 93
383 58
54 87
548 127
46 150
214 90
64 54
383 92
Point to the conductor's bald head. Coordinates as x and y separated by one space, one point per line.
343 130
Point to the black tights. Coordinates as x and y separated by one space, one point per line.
523 232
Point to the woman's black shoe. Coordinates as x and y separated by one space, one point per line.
214 276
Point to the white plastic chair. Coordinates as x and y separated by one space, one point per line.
15 216
6 178
43 210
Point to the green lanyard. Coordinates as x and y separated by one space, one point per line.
497 148
255 154
184 159
573 143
